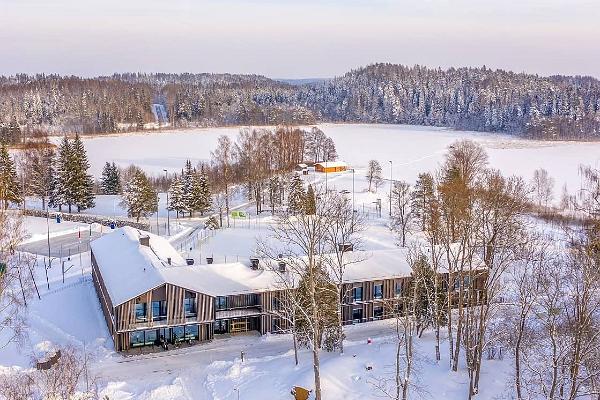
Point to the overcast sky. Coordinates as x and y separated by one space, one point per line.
297 39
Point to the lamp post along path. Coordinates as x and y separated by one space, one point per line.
391 185
168 213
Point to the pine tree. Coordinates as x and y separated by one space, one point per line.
327 311
205 201
275 192
310 205
139 197
176 196
296 197
9 185
191 188
42 173
81 183
422 198
110 183
60 194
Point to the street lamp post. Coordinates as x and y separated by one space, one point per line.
391 186
168 213
157 210
353 190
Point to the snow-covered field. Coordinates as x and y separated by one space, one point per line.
412 149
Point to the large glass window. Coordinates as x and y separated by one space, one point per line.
398 288
220 326
357 294
276 325
159 310
140 312
466 281
357 315
136 338
191 332
276 304
151 336
178 334
189 305
378 312
378 291
221 302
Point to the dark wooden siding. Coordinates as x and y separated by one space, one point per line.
103 296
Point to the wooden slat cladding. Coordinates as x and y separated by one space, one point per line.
103 297
174 296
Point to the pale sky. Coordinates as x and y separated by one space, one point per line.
296 39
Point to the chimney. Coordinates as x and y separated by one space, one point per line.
254 263
169 260
282 266
145 241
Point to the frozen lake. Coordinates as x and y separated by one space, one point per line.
412 149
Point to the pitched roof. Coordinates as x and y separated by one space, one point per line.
129 268
332 164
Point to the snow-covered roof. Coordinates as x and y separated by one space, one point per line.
129 268
332 164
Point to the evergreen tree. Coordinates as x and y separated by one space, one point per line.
310 205
110 183
61 194
139 197
296 197
422 198
275 192
191 188
176 196
9 185
327 311
42 173
81 183
205 199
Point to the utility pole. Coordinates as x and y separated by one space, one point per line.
391 186
168 217
157 210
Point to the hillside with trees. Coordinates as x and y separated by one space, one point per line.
481 99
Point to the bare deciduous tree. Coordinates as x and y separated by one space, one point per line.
542 185
402 215
374 174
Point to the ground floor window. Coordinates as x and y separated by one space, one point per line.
220 326
151 337
378 312
136 338
357 315
276 325
191 332
177 334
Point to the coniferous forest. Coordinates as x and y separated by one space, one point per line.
482 99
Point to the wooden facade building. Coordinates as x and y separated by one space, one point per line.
150 296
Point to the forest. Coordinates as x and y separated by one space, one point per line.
480 99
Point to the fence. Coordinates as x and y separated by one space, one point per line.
88 219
